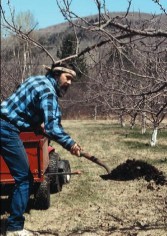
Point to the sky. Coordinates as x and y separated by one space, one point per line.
47 13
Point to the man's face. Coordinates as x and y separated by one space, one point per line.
65 80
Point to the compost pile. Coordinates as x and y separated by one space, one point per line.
135 169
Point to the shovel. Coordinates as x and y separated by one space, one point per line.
95 160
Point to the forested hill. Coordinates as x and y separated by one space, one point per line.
53 35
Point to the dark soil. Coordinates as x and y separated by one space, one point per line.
135 169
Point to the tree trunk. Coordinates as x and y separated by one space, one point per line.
154 137
95 113
143 131
24 65
122 119
133 120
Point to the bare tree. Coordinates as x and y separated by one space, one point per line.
127 57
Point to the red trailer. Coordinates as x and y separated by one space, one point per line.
49 171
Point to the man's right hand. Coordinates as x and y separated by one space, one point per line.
76 150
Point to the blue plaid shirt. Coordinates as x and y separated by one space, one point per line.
35 102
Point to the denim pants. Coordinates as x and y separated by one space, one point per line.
13 152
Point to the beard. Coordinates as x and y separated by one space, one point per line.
62 90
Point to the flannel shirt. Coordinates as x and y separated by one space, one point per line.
35 102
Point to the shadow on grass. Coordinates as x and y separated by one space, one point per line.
5 205
141 145
133 230
106 126
162 160
138 227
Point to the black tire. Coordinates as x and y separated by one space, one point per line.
55 185
42 194
65 167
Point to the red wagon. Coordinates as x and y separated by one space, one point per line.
49 171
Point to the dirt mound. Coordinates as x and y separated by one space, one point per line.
135 169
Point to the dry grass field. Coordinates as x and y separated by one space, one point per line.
92 206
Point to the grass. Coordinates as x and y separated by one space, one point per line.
88 200
108 140
112 144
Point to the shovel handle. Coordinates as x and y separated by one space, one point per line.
95 160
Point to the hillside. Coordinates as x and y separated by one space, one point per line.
53 35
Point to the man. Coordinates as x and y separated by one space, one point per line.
34 102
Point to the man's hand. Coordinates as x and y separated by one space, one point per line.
75 150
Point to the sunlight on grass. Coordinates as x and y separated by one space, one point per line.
89 194
113 145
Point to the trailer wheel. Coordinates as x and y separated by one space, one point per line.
55 185
42 195
65 167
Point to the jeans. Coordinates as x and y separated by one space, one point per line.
14 154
